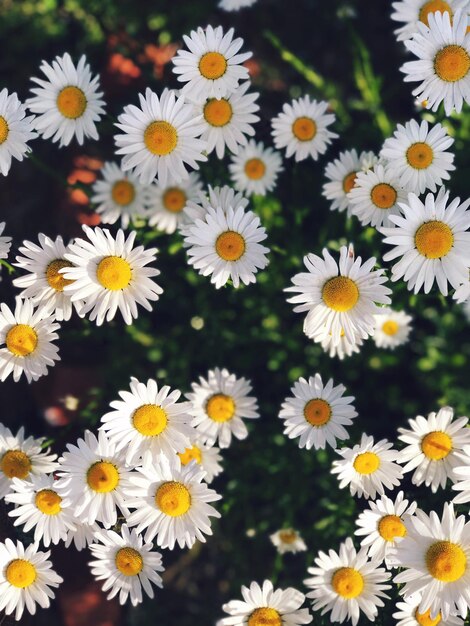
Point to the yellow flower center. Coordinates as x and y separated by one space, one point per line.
390 327
317 412
54 278
102 477
265 616
424 619
218 112
230 245
452 63
15 464
255 169
304 128
160 138
391 526
366 463
288 536
383 196
220 408
436 445
190 454
173 498
114 273
150 420
4 130
212 65
432 7
20 573
129 562
349 181
419 155
71 102
21 340
347 582
434 239
340 293
446 561
48 502
174 200
123 192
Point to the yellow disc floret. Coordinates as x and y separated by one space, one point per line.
436 445
129 562
218 112
71 102
446 561
340 293
265 616
114 273
220 408
288 536
383 195
174 200
304 129
123 192
420 155
48 502
4 130
255 169
54 278
347 582
452 63
150 420
212 65
424 619
391 526
21 340
366 463
173 498
230 245
317 412
20 573
102 477
390 328
190 454
15 464
434 239
160 138
349 181
431 7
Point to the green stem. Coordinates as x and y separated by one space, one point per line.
10 268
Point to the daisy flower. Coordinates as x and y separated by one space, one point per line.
219 405
411 12
108 273
368 468
318 413
254 170
419 156
148 418
26 578
288 540
436 555
302 128
207 457
39 506
341 349
347 584
443 65
27 335
126 565
382 523
212 68
262 605
5 243
340 300
235 5
173 505
68 103
409 615
392 328
16 129
93 476
432 240
435 447
166 203
160 137
118 196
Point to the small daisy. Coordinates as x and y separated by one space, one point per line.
436 555
288 540
126 565
39 506
235 5
341 349
317 414
368 468
411 12
27 335
108 273
263 606
16 129
346 584
160 137
254 170
166 204
207 457
212 68
435 447
68 103
392 328
5 243
118 196
302 128
409 615
340 300
382 523
219 405
26 578
173 505
148 418
432 240
443 65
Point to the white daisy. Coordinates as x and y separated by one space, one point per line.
212 68
118 196
392 328
16 129
207 457
443 65
160 137
26 578
435 447
219 405
27 335
235 5
254 170
302 128
436 555
173 505
411 12
109 273
5 243
341 349
347 583
318 413
288 540
340 300
166 204
368 468
432 240
68 103
126 565
83 535
409 615
419 156
263 605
